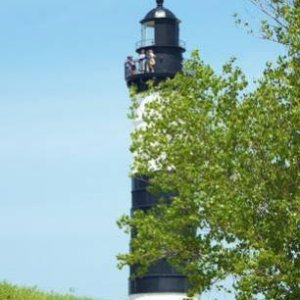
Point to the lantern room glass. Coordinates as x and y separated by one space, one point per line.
148 34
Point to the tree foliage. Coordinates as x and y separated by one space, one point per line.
232 159
282 25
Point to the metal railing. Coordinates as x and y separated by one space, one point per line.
135 68
151 42
145 43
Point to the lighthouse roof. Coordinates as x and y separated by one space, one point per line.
160 12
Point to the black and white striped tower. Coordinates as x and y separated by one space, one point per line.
160 33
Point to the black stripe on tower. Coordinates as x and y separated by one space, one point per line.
161 277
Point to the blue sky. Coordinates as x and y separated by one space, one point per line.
64 134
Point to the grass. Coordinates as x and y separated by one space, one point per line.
12 292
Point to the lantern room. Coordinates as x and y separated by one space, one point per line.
160 37
160 27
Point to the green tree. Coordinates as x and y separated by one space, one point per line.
232 159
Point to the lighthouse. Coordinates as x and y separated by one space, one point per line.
160 55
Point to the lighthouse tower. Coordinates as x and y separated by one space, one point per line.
160 36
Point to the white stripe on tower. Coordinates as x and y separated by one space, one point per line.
158 296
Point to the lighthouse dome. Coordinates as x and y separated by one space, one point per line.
159 13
